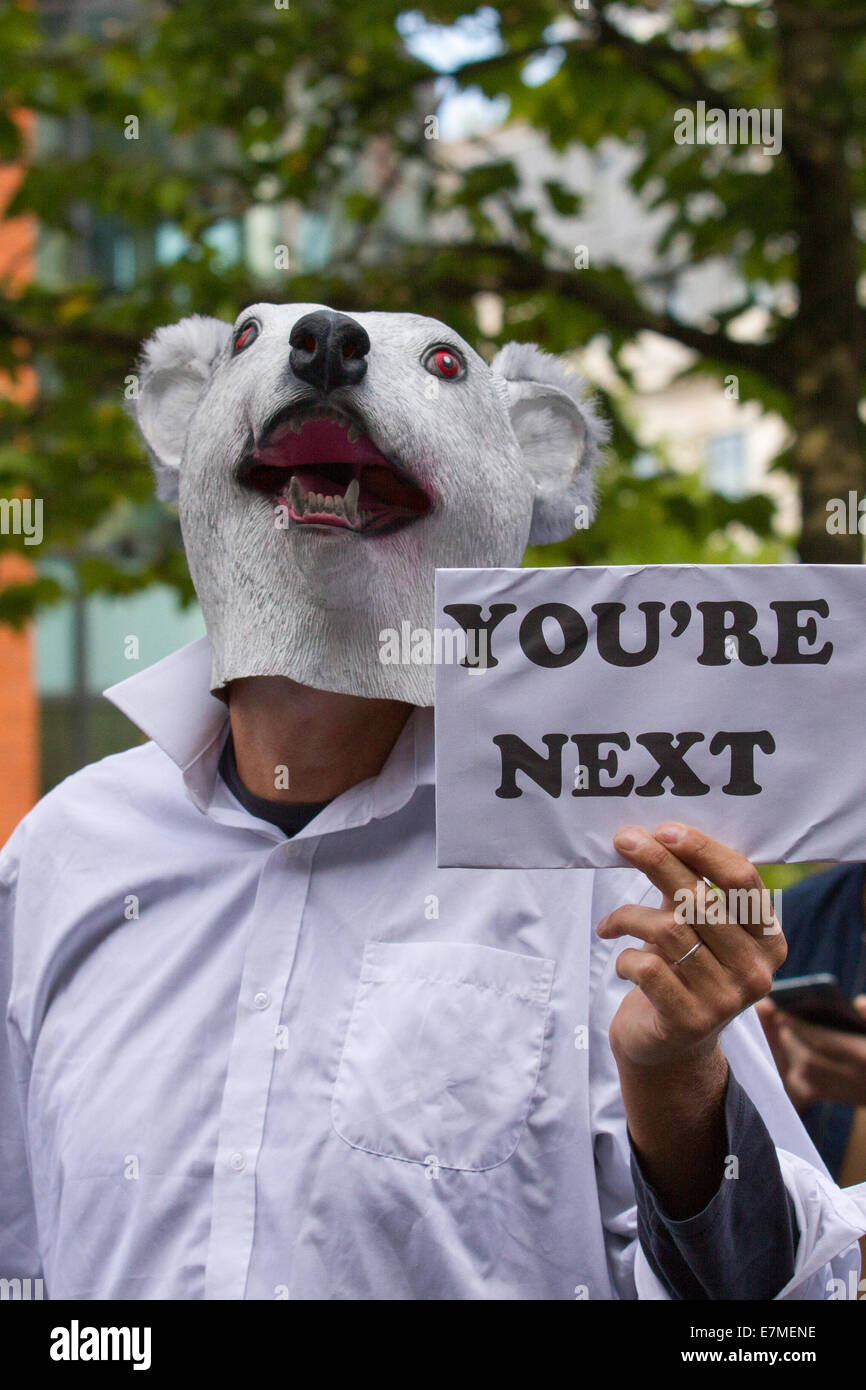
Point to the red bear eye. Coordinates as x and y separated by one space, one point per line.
444 363
247 335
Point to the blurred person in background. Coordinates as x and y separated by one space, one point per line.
824 1069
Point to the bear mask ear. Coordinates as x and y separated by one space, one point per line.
174 368
559 433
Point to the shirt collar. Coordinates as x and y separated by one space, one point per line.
172 703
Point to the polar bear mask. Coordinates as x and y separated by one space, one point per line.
325 464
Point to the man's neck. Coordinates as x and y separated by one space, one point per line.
293 743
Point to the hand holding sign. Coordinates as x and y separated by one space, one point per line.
692 979
588 697
697 970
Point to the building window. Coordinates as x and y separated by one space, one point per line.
225 238
123 270
86 644
314 240
171 243
726 464
644 464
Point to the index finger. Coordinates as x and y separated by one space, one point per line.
647 853
709 858
750 903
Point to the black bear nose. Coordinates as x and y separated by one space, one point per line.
328 350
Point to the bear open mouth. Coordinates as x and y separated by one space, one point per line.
327 471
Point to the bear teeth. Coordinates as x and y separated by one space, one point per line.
307 503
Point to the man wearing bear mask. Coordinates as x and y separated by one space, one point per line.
259 1045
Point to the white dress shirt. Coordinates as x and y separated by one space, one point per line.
321 1068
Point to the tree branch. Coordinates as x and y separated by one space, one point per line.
523 272
85 334
795 17
649 58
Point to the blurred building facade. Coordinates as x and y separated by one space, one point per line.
700 423
19 714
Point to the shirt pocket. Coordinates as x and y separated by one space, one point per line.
442 1053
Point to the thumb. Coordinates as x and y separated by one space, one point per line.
860 1004
771 1018
766 1009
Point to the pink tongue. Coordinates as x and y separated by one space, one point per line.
321 441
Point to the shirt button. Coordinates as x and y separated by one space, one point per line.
262 999
237 1162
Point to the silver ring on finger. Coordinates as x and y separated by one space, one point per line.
697 946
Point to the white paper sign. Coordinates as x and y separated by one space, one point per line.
730 697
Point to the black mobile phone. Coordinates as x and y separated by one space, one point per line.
818 999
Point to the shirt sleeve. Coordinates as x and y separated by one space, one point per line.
19 1248
744 1242
827 1219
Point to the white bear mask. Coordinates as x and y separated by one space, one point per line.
326 464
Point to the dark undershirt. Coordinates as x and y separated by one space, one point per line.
288 816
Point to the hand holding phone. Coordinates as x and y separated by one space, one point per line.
818 999
818 1040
